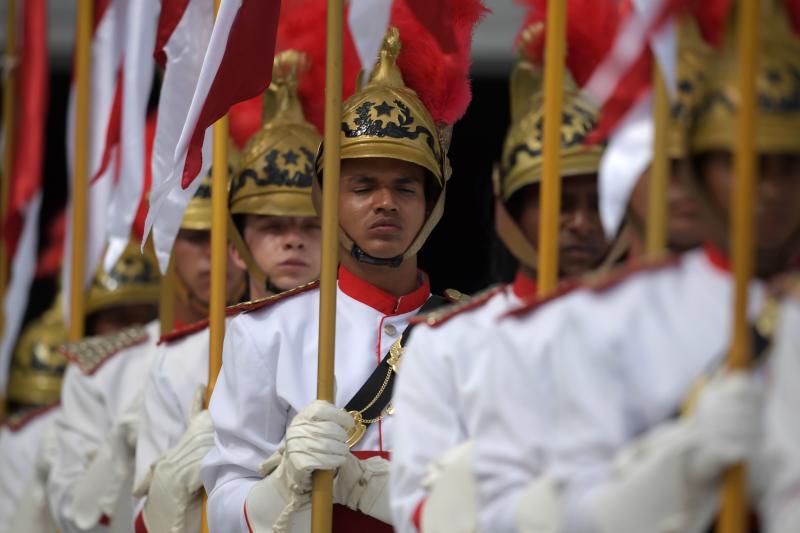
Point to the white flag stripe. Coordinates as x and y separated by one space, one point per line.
23 269
138 80
368 20
626 157
185 51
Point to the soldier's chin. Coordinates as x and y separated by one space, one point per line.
384 249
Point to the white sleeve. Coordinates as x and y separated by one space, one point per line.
780 505
426 421
249 421
162 419
81 426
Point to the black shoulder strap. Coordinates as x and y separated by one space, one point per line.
375 394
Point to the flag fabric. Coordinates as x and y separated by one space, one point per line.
237 66
21 222
368 20
107 45
138 66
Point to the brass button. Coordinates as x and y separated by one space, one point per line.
390 330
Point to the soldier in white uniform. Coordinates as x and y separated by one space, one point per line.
596 445
90 484
277 231
270 432
440 379
33 396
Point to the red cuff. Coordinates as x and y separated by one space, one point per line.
105 520
139 526
416 517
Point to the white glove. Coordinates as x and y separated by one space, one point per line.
32 514
727 423
451 505
173 483
361 485
315 440
97 492
668 479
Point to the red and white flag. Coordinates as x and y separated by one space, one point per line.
236 66
137 82
107 46
21 223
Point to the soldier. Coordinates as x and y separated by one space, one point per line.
602 450
90 484
270 433
277 232
439 379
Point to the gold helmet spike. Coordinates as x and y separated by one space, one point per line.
522 160
777 87
197 215
386 118
277 163
37 368
133 280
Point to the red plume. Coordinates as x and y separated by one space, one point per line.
711 17
244 120
302 27
591 28
441 80
793 9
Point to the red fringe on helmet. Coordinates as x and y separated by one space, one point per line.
591 28
301 27
441 80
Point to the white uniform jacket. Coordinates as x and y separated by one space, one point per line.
436 391
610 362
98 387
20 450
269 373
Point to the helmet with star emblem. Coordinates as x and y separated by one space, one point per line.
134 280
197 215
37 367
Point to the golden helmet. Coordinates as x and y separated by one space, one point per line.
197 215
133 280
777 87
522 158
277 164
38 366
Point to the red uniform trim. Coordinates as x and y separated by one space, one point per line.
380 300
247 519
416 517
16 423
139 526
594 282
105 520
234 310
717 257
523 287
436 319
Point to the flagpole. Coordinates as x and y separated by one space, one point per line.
322 488
83 66
166 299
9 131
219 263
550 197
733 514
656 228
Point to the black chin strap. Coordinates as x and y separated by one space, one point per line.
363 257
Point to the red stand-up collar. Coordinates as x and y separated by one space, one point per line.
380 300
523 286
717 257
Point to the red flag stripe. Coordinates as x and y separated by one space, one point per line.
244 72
113 131
171 14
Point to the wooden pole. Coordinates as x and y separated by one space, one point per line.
550 197
9 129
322 489
83 68
733 514
656 228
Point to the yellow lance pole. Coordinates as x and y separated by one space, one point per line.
166 299
322 488
656 227
733 514
219 262
9 130
550 197
83 67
